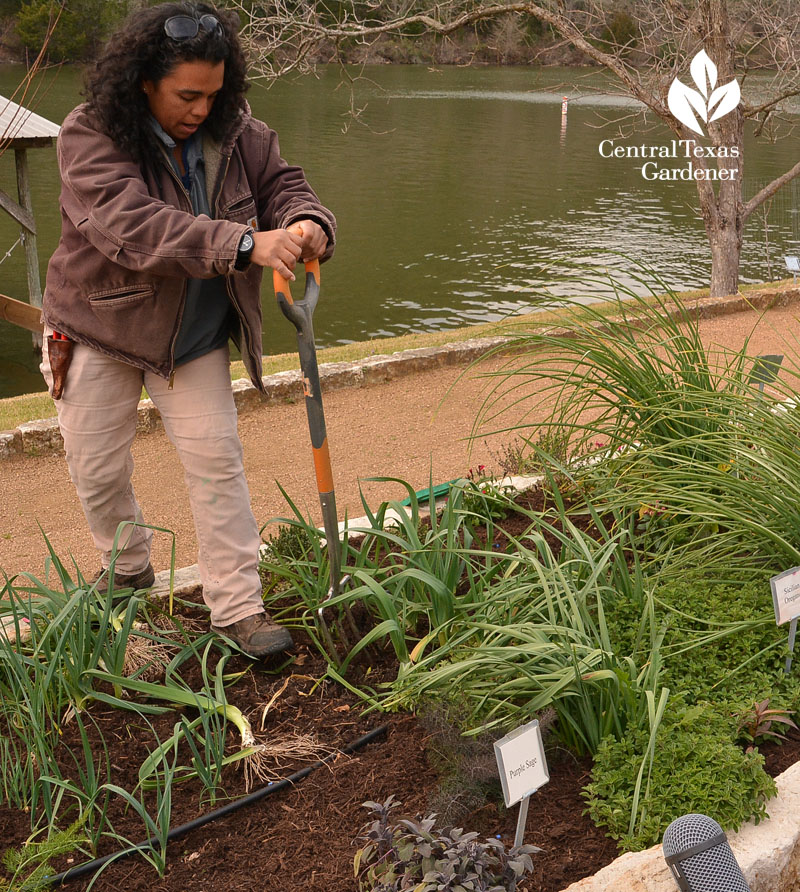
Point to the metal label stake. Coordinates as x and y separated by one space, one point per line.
792 636
522 819
523 770
786 600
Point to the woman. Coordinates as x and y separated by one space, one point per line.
173 200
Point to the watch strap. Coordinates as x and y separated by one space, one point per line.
244 251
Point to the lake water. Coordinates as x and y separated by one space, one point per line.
456 190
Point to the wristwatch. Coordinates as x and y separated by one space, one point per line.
244 251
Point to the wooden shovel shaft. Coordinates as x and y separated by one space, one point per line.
19 313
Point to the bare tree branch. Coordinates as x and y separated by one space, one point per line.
645 45
769 190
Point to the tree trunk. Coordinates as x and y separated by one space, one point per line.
723 212
726 246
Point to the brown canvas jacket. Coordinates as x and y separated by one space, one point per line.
129 240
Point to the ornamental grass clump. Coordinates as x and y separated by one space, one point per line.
694 451
413 854
466 765
630 370
540 638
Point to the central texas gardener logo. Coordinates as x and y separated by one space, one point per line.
709 101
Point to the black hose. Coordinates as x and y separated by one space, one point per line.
75 873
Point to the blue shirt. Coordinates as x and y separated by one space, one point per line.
207 314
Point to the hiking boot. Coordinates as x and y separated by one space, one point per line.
137 581
257 635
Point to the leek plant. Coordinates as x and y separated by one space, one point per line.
539 639
410 572
62 643
255 756
156 824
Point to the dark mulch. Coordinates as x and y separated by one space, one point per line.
306 836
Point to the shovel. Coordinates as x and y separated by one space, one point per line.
300 313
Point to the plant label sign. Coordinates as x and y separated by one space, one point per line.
786 595
521 762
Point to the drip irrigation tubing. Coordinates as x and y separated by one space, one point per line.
81 870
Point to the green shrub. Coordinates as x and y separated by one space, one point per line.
721 643
80 30
697 768
737 669
292 542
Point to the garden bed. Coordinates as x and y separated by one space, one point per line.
306 837
309 833
636 627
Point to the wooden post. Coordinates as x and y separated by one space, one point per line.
29 237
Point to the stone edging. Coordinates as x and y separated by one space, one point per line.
768 853
43 436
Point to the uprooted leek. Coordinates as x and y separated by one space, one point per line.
292 746
254 755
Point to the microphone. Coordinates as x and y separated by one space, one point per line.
700 857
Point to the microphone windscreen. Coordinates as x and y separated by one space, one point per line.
700 857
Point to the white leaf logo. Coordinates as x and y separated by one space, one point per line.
681 100
728 98
704 72
709 102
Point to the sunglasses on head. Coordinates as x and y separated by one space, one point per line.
186 27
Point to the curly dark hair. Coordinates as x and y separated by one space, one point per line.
141 50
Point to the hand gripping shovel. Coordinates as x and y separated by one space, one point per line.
300 314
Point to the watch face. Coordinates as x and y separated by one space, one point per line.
246 243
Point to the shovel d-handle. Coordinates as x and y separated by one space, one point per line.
297 311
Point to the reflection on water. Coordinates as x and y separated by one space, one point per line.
543 98
460 202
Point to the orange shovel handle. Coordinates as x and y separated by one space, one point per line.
281 285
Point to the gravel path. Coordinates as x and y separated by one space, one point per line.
412 427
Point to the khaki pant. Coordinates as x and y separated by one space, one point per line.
97 417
